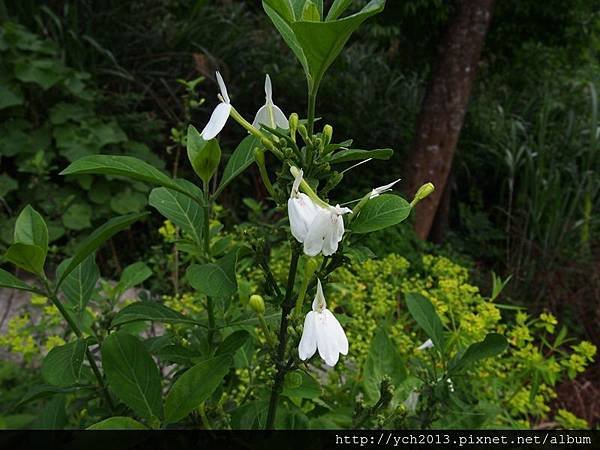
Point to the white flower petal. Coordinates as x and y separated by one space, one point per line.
217 121
319 303
427 344
262 117
279 117
268 89
381 189
301 213
308 342
326 340
223 88
319 231
338 332
296 185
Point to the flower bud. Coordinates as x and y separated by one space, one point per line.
257 304
293 121
423 192
327 134
304 133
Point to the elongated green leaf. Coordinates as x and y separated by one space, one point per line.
195 386
79 285
8 280
381 212
62 365
424 314
337 9
133 275
215 279
118 423
53 416
150 311
492 345
177 354
45 391
382 360
97 238
124 166
28 257
233 342
179 209
359 155
132 374
241 158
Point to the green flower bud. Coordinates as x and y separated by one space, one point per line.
327 134
423 192
257 304
293 121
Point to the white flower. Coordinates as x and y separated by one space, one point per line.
322 331
411 401
381 189
219 116
427 344
269 114
319 228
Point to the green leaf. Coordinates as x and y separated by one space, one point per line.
203 155
133 275
233 343
383 359
132 374
62 365
337 9
97 238
381 212
30 241
424 314
79 285
492 345
45 391
150 311
28 257
241 158
195 386
53 415
8 280
180 210
354 154
123 166
10 94
215 279
311 12
118 423
7 184
77 217
300 384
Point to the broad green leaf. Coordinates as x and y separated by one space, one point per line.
11 94
45 391
241 158
359 155
8 280
132 374
30 241
233 343
133 275
53 416
118 423
381 212
77 217
150 311
203 155
97 238
215 279
492 345
177 354
179 209
424 314
195 386
124 166
28 257
300 384
62 365
7 184
79 285
383 359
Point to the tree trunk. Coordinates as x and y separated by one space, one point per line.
445 104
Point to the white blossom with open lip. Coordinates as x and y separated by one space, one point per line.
322 332
219 116
319 228
270 114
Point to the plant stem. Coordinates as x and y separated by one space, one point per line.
52 296
312 102
286 307
206 220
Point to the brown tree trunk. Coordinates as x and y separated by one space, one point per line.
445 104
